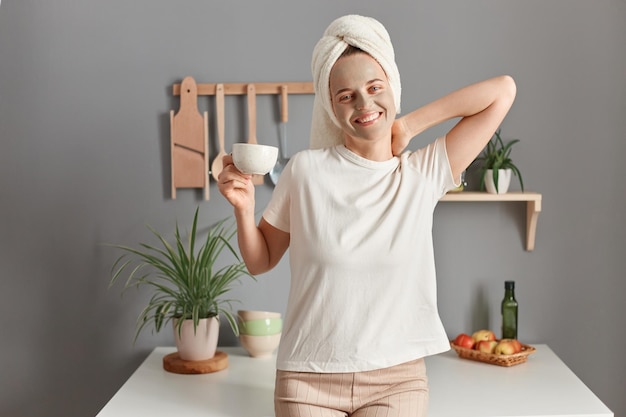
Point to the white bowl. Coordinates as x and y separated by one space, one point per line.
245 315
252 158
260 346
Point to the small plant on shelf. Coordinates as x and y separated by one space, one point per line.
495 157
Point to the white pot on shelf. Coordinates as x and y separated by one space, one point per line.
201 345
504 180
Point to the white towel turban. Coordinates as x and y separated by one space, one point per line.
364 33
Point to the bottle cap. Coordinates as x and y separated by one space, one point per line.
509 285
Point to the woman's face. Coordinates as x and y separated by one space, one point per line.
362 98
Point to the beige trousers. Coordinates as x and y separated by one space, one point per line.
398 391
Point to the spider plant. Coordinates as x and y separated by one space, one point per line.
495 156
186 282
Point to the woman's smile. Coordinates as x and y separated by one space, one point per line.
368 118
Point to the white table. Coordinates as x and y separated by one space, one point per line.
542 387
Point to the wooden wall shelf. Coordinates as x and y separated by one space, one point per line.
533 207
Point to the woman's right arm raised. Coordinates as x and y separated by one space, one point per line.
261 246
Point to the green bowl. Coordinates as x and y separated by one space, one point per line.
261 327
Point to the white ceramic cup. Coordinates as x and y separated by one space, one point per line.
252 158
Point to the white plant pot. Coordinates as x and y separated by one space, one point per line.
504 180
201 345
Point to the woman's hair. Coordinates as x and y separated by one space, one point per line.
351 50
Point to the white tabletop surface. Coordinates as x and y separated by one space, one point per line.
541 387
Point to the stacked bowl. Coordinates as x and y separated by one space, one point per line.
259 332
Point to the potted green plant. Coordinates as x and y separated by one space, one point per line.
188 287
496 165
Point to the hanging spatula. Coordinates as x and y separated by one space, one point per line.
218 165
256 179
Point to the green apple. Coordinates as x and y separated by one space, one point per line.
483 335
505 347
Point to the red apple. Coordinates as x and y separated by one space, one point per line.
464 340
486 346
518 345
505 347
483 335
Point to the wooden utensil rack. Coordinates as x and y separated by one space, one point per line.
240 89
189 129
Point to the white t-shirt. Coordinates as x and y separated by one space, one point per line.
363 287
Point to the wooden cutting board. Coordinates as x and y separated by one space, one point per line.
189 142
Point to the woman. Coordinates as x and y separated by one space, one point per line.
356 213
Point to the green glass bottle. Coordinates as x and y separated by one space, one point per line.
509 311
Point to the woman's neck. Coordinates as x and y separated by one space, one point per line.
379 150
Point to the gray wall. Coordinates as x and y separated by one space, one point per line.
85 91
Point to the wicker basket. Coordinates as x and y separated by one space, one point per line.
500 360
